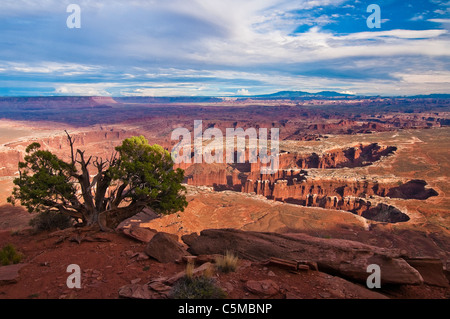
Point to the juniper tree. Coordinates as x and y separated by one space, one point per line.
137 175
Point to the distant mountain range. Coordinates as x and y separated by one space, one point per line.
333 94
431 96
281 95
301 94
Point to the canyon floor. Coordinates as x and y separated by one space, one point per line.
378 178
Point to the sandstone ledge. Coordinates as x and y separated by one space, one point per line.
348 259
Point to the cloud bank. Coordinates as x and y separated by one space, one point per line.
214 47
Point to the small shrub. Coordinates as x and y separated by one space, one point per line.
190 270
227 263
15 232
209 272
9 255
50 221
196 288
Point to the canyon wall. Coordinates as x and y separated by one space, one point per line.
292 184
96 143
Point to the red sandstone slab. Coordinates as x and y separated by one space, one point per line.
10 273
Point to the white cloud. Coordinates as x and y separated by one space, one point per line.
94 89
164 89
439 20
417 17
316 45
46 67
375 35
432 77
243 92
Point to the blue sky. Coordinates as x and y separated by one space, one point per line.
223 48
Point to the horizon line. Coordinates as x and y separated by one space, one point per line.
268 95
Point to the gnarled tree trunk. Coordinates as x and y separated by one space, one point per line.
96 208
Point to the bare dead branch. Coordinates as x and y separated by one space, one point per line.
71 147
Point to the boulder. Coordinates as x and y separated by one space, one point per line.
347 258
165 248
160 287
143 216
341 288
263 288
10 274
431 270
135 291
140 256
142 234
132 226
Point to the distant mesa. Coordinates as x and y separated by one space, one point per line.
336 95
301 94
54 102
167 99
431 96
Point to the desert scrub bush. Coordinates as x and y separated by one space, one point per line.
50 221
227 263
189 272
9 255
201 287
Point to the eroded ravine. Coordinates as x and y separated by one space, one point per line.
298 182
295 182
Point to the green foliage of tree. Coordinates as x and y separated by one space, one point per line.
147 172
44 180
138 175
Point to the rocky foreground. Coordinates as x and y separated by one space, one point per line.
115 265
